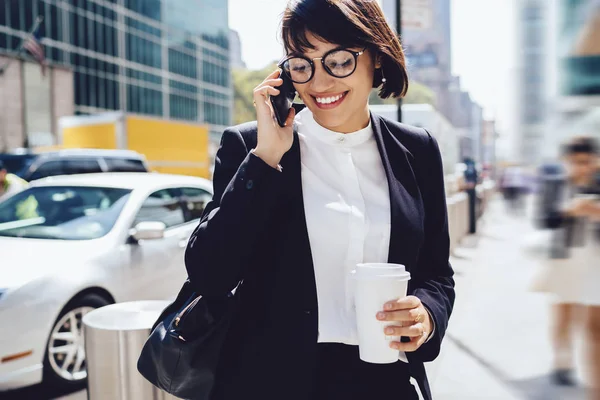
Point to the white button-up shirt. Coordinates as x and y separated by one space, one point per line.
347 206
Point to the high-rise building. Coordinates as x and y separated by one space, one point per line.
426 39
163 58
531 85
574 72
235 50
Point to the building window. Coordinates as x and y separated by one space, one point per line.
143 51
147 8
183 64
183 107
144 100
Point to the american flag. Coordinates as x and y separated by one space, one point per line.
34 46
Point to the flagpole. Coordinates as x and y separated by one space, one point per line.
36 25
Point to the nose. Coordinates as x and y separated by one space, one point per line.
321 81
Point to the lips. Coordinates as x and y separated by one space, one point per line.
329 101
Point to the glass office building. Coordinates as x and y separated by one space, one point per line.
164 58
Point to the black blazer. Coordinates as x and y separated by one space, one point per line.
254 230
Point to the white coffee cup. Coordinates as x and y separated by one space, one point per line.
375 285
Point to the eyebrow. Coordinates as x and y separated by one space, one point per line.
298 54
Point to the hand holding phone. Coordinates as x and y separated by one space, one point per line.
282 103
274 138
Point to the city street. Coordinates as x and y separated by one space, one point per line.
112 144
497 346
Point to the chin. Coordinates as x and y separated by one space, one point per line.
328 119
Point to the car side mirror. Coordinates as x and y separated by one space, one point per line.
148 230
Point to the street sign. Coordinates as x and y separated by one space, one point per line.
417 14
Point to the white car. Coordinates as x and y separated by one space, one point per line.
69 244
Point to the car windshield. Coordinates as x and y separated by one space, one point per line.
62 212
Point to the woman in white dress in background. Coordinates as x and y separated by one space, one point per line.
572 211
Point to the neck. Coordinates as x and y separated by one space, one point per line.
355 123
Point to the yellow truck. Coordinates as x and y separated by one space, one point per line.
169 146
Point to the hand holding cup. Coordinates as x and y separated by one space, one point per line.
414 322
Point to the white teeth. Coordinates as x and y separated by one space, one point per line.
328 100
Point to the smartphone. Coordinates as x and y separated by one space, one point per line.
283 101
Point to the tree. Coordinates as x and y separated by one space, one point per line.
244 82
417 94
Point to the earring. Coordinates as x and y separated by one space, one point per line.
383 80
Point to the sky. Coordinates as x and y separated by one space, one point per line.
483 47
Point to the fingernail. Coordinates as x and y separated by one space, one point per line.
389 331
388 306
394 346
381 315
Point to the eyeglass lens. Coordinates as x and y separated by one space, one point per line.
340 64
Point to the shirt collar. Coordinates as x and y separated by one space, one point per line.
307 126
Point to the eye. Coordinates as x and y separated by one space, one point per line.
298 68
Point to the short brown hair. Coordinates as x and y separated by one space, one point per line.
349 23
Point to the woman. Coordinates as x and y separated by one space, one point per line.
572 211
295 208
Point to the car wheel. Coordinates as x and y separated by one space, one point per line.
64 363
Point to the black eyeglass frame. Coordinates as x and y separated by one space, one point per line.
356 54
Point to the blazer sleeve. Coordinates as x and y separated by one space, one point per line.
245 188
432 280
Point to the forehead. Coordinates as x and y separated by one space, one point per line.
581 158
319 46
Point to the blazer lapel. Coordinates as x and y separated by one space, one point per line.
405 205
297 249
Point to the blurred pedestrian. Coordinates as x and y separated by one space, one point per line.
571 209
10 183
297 207
471 178
514 188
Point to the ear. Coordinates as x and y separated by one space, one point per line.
376 60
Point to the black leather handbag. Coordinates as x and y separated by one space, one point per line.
182 352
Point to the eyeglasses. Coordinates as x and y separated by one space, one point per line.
339 63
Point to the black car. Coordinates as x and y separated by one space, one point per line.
32 166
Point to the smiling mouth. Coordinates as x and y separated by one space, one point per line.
327 102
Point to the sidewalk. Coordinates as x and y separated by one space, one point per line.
497 345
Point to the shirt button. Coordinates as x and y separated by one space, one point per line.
341 139
250 184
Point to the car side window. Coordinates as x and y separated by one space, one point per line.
49 168
161 206
81 166
194 201
125 165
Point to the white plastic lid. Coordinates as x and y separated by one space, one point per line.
385 274
390 266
